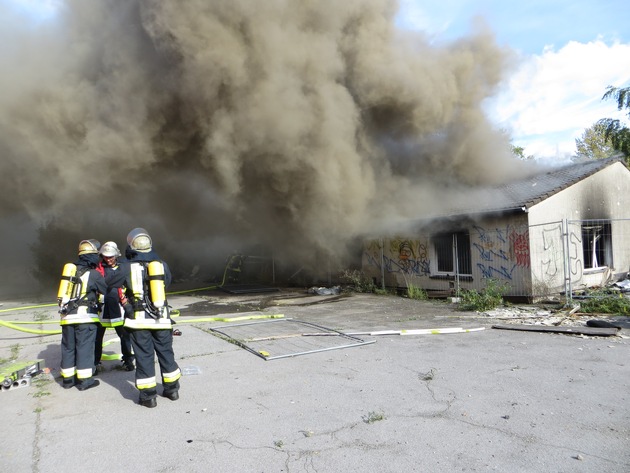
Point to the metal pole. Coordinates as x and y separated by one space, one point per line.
456 264
566 263
382 242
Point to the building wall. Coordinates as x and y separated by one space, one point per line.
603 196
532 253
499 249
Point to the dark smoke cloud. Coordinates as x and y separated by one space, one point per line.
296 125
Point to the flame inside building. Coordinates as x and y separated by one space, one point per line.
292 126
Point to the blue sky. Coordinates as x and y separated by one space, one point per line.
569 52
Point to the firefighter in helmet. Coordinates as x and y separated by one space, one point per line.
79 297
112 316
148 320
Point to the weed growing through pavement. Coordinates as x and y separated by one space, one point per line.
15 352
41 317
373 417
41 382
428 376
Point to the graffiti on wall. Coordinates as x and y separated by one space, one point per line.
501 251
551 237
405 256
552 262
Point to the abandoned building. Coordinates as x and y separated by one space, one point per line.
551 233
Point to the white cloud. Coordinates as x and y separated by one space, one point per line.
34 9
554 96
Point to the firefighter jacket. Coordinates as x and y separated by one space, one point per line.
112 315
145 290
85 302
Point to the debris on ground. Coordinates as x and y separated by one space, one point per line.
517 312
575 330
564 319
624 285
325 291
602 324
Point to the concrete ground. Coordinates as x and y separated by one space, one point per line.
483 400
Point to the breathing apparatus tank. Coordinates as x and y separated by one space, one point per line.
66 286
157 288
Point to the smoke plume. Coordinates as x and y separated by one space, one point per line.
296 126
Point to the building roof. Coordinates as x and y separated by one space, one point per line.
520 195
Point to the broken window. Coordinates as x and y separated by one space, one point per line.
597 244
452 253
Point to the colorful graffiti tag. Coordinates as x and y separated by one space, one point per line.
405 256
501 251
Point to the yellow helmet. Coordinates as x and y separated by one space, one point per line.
87 247
139 240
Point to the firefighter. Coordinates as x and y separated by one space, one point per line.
112 316
147 318
79 296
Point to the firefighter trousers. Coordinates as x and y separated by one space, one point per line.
146 345
77 352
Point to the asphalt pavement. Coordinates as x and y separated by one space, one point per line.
274 383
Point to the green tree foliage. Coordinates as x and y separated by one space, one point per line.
519 152
594 144
615 130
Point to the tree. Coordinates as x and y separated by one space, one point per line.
615 130
594 144
519 152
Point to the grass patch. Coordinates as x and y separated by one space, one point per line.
606 304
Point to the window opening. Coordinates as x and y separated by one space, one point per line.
597 245
452 251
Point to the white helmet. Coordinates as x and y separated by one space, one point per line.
87 247
139 240
109 249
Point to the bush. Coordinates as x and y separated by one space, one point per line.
488 298
358 281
